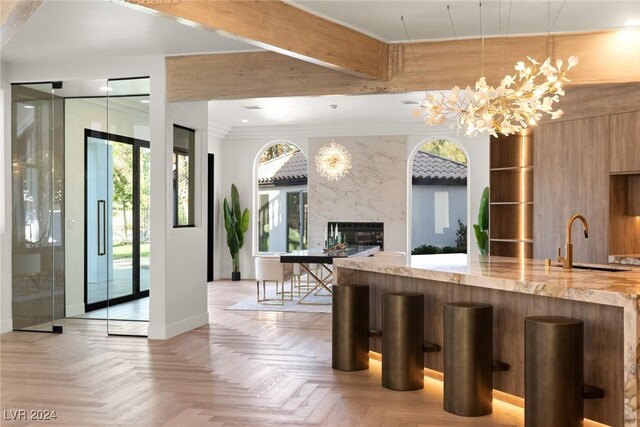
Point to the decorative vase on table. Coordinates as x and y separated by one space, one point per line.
236 222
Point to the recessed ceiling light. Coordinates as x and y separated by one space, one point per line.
409 102
106 88
30 107
244 121
632 23
145 101
252 107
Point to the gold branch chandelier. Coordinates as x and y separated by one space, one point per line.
333 160
519 101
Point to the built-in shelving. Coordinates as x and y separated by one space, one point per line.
511 196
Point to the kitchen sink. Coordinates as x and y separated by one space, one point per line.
596 267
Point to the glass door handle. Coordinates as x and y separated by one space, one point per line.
102 230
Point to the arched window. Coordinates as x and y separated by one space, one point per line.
282 199
439 198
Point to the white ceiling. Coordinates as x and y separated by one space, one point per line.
84 29
313 111
429 20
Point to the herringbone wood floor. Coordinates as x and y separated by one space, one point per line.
244 368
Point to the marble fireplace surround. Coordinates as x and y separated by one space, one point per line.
540 289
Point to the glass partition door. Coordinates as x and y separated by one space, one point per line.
127 170
38 272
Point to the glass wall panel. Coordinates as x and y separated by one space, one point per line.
127 220
38 273
145 219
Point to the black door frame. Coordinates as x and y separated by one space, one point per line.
136 293
210 230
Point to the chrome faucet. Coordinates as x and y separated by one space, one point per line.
567 260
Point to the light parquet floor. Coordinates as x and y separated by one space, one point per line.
244 368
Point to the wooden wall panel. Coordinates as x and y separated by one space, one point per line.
625 142
571 175
581 102
633 198
603 340
624 226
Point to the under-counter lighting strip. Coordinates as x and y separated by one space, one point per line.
503 401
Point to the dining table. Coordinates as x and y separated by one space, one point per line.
324 258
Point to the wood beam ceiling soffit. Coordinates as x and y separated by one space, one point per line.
282 28
605 57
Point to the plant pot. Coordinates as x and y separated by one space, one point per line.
235 276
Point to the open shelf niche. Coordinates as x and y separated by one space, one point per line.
511 195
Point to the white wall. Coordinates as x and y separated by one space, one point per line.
5 205
216 135
185 269
373 191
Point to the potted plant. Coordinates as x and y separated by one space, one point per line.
481 229
236 222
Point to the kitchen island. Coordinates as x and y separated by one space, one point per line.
607 302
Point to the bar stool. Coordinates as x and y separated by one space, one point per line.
468 351
402 341
553 376
350 327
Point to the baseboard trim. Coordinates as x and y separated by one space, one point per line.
74 310
180 327
6 325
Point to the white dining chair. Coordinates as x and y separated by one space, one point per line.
270 269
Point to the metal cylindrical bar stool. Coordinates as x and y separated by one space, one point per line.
402 341
468 356
350 327
553 373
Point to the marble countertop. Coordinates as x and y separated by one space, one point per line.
512 274
632 259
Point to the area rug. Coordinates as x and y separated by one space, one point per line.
250 304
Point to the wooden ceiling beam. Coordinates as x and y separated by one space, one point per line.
605 57
13 15
279 27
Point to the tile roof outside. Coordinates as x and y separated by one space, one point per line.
431 166
426 166
291 165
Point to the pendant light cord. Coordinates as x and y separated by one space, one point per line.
333 121
482 39
413 52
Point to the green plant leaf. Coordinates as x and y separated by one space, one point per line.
236 223
483 212
481 239
235 201
245 220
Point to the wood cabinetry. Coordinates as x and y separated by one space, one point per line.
624 215
511 196
625 142
571 175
